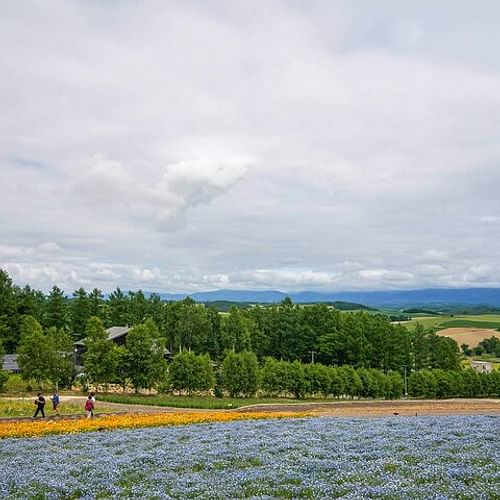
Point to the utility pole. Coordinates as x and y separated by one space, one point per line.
406 381
312 356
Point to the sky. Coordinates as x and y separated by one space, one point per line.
199 145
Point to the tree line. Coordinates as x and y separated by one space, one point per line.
284 331
141 364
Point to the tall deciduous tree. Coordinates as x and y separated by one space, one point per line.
60 344
35 354
145 359
101 355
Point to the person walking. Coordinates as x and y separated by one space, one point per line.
55 402
93 402
89 407
40 405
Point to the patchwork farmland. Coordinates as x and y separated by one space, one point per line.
467 329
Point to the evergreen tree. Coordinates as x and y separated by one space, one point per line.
9 319
56 309
80 313
118 308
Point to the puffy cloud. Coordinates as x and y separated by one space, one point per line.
106 183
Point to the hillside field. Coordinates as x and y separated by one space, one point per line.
470 329
440 322
469 336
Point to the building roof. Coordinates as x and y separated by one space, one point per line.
10 363
117 331
114 332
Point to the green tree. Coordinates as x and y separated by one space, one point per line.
191 372
3 375
56 309
101 355
192 327
35 354
236 330
395 385
97 307
146 365
9 319
240 373
353 385
296 379
118 308
30 302
138 308
444 353
273 376
337 382
80 313
422 384
318 379
60 344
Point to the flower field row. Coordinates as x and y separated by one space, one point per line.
391 458
129 421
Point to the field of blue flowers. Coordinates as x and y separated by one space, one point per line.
398 457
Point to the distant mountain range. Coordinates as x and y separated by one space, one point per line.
389 299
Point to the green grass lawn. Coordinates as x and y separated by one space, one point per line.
203 402
26 407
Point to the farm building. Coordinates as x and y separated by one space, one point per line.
117 334
10 363
482 366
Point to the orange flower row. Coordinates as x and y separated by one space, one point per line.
130 421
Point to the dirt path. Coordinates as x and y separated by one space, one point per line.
337 409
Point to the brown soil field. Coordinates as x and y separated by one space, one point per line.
470 336
409 408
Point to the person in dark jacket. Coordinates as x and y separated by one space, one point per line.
40 405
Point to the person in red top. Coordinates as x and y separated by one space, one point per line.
89 407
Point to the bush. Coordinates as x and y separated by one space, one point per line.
190 372
318 379
274 377
422 384
3 380
240 373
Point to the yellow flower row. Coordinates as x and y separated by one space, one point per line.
130 421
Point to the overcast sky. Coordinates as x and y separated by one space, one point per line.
184 146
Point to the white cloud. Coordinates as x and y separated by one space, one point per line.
107 184
204 146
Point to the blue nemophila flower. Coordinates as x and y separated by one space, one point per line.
427 457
